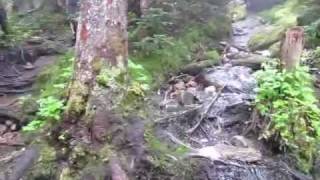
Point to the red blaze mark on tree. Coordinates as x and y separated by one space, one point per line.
84 34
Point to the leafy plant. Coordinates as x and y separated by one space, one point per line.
50 108
287 99
53 84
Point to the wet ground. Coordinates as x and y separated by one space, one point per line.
211 114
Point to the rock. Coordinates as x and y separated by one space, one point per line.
196 67
252 61
236 79
239 32
265 38
13 127
28 66
35 40
187 98
8 122
211 90
3 129
265 53
191 83
173 106
192 90
180 86
239 141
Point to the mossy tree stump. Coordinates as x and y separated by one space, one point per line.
292 48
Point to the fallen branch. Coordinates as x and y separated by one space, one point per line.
205 114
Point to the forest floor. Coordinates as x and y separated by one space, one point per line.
208 114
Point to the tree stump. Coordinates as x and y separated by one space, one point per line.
292 48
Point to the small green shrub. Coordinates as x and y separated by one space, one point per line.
50 109
53 86
287 99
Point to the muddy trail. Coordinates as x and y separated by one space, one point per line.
211 115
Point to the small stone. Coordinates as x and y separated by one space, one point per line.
191 84
186 98
233 50
211 90
3 129
28 66
192 90
239 141
8 122
180 85
13 127
172 106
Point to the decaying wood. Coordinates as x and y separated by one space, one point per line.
292 48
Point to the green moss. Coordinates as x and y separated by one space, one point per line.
46 165
78 100
264 39
213 56
285 14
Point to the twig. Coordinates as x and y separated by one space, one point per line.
204 115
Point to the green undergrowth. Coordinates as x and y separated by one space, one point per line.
170 53
287 99
52 84
22 28
285 14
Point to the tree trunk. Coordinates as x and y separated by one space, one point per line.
292 48
101 44
144 6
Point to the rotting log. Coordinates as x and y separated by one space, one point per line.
292 48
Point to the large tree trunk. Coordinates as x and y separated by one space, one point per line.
101 44
292 48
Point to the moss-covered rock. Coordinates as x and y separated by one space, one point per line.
264 39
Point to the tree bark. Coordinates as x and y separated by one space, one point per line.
292 48
144 6
101 43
